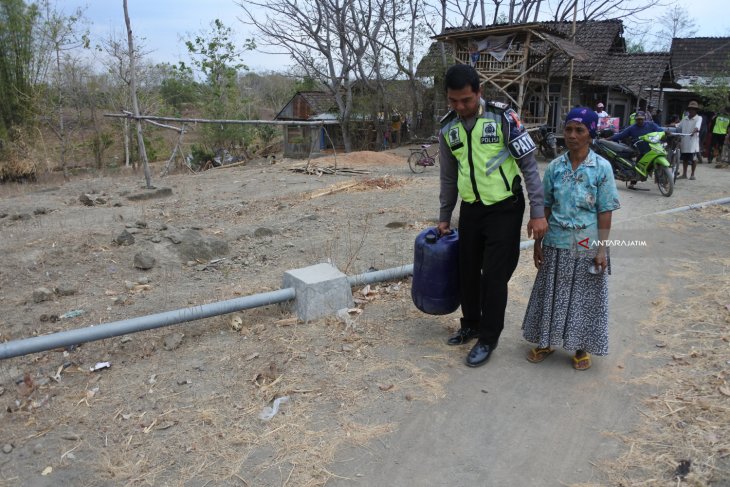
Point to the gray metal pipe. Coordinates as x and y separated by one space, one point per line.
721 201
379 276
41 343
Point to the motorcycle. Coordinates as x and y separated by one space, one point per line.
646 158
546 142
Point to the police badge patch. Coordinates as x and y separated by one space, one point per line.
454 139
521 145
489 132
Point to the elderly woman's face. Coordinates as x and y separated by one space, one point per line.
576 136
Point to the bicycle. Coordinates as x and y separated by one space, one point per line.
673 154
420 159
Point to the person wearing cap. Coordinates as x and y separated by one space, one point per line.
600 111
689 145
568 305
631 134
647 114
483 151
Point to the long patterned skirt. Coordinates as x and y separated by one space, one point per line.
568 306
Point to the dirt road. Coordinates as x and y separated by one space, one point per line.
384 402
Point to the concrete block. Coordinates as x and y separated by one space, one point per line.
320 291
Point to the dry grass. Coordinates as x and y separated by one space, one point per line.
688 418
145 426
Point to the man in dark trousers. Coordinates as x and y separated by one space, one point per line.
483 149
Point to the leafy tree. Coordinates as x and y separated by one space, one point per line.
215 54
178 87
715 91
635 45
17 24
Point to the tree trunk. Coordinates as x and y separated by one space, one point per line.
61 127
125 130
135 104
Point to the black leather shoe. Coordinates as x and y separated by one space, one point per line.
479 354
462 336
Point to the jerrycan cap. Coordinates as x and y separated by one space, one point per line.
431 238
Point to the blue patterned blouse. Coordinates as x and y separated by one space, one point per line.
576 198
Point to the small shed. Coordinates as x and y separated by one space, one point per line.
308 106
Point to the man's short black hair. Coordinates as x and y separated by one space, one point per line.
460 75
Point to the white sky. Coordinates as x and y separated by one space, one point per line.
163 22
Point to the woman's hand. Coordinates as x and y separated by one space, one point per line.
601 260
537 228
537 254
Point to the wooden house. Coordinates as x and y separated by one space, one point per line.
545 70
304 140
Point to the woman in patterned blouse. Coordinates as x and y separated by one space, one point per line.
569 302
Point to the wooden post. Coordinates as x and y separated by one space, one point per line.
572 60
523 68
135 103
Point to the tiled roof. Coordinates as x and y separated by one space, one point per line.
599 37
320 101
307 104
633 71
700 56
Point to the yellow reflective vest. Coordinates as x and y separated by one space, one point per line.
722 122
487 170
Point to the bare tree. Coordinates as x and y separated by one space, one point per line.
320 36
404 33
133 91
676 22
60 34
118 66
457 13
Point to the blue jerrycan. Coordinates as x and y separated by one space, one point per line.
435 288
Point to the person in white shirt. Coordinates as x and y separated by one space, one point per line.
690 144
600 111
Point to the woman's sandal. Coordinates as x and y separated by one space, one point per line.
582 363
537 355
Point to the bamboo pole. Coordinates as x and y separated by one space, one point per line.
206 120
572 60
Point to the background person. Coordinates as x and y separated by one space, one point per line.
568 305
631 134
395 127
600 111
720 132
689 146
483 149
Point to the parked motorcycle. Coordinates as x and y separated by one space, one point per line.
546 142
647 158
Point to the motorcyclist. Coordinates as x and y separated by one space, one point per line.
634 131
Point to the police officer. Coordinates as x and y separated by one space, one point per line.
483 149
720 132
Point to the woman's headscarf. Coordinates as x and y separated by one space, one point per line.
586 116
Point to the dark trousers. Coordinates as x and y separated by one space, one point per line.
718 140
489 249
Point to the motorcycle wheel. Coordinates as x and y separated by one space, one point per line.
665 180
